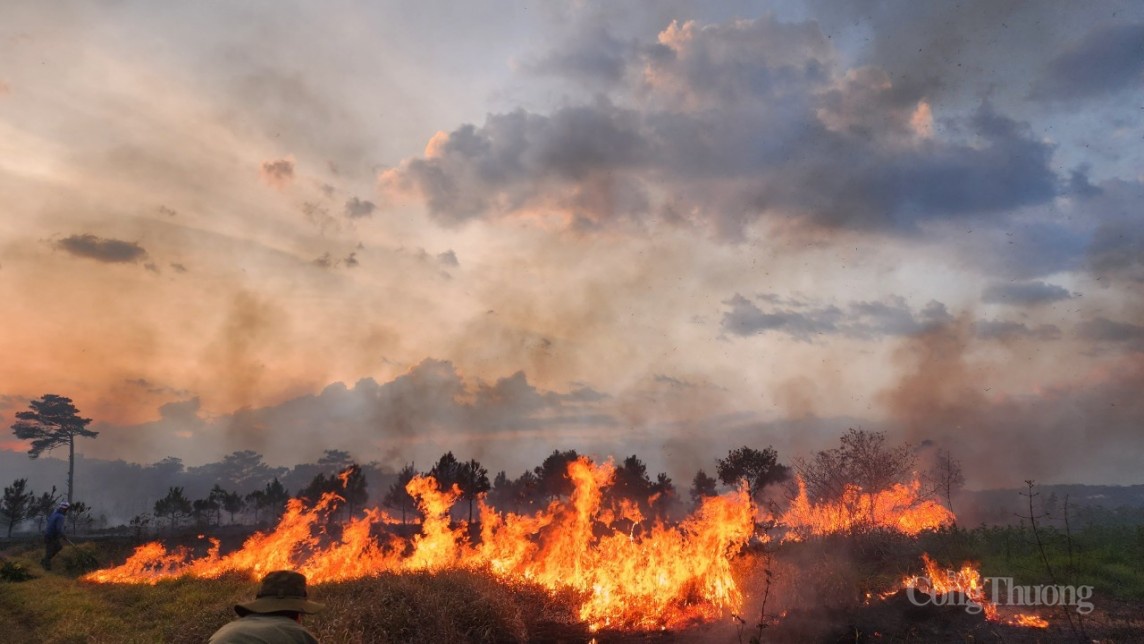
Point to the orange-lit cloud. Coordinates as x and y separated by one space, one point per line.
922 120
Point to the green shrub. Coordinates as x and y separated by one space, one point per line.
79 559
14 571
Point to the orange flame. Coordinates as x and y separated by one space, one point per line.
966 581
901 508
665 578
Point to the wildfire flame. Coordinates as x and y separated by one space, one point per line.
966 581
901 507
666 577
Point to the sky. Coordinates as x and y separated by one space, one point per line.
500 229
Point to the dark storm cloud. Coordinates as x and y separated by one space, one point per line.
746 318
1024 293
356 208
1117 245
112 251
972 47
1007 330
571 160
865 320
1124 334
1107 60
1025 248
734 122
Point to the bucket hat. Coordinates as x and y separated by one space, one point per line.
280 590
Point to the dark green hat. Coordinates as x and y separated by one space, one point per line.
281 590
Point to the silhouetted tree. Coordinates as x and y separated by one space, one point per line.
663 496
216 497
139 524
473 481
316 488
946 476
552 474
16 504
53 421
174 506
447 471
271 498
862 459
232 503
241 470
335 460
353 488
42 507
396 496
349 486
631 481
501 491
514 494
758 468
79 514
203 510
631 484
702 487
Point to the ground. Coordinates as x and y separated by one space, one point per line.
817 587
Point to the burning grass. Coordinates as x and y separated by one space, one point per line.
819 587
664 577
449 606
578 569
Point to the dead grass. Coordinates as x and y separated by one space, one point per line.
453 606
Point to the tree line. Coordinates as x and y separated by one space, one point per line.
247 490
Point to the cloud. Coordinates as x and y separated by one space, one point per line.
1007 330
112 251
324 261
1102 329
1108 60
745 318
1024 293
356 208
802 321
278 173
592 56
429 402
726 125
448 258
570 162
154 388
183 410
1116 248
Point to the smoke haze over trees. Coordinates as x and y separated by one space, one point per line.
665 230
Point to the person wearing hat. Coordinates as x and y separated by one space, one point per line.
275 615
54 534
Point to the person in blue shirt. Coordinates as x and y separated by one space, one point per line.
54 534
